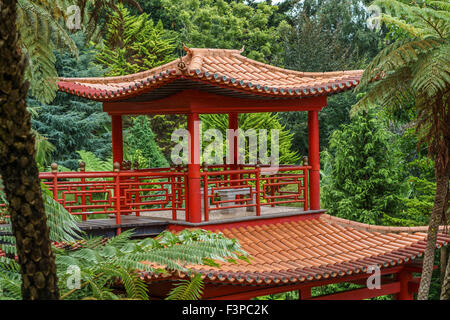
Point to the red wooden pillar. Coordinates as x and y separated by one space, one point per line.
314 176
117 138
194 193
404 277
233 124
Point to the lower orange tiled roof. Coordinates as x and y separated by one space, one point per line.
313 249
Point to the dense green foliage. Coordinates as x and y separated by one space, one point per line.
371 169
41 27
222 24
331 117
256 121
326 35
363 180
163 126
417 202
71 123
134 43
413 69
107 267
140 145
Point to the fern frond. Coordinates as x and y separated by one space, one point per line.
49 18
191 289
392 91
40 30
62 225
93 163
135 287
11 287
431 74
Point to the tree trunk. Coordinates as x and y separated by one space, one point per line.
443 266
18 167
445 289
436 218
445 278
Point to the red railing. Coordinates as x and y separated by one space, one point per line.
253 188
224 187
119 192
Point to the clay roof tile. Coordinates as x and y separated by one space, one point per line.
223 62
289 252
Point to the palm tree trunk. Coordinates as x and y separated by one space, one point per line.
445 290
443 266
18 167
436 218
445 262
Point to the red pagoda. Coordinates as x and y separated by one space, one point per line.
277 217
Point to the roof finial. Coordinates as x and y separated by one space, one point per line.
242 50
188 50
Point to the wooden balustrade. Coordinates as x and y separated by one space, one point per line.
134 191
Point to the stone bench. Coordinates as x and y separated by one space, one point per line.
231 194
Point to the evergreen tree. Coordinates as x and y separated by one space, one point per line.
362 171
71 123
326 35
141 146
18 167
414 67
223 24
256 121
133 43
162 127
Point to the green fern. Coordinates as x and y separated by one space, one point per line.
43 149
117 260
41 27
414 69
93 163
191 289
41 30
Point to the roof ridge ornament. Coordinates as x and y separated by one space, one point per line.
182 66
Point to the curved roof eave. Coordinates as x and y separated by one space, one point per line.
223 68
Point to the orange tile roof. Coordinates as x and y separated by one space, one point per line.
220 68
308 250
